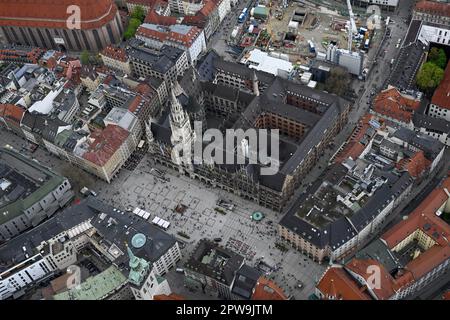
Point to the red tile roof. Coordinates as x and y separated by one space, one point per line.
387 286
424 218
165 34
153 17
53 14
145 90
337 284
32 55
115 53
208 8
11 113
434 8
354 147
172 296
51 62
441 96
144 3
135 104
199 20
60 284
106 143
266 289
446 295
393 104
416 165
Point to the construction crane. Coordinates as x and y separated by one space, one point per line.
352 28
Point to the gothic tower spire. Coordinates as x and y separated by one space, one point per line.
255 84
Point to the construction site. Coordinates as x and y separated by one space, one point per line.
301 31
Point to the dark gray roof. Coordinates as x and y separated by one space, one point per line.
28 120
328 109
163 64
127 225
429 145
42 124
431 123
379 251
161 61
245 281
243 71
389 144
172 53
205 66
11 253
340 231
221 265
120 232
161 132
193 106
190 82
312 138
154 82
392 189
50 129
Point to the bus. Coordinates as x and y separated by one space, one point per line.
243 15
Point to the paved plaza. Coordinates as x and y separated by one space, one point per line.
145 189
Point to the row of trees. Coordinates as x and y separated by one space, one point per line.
136 19
432 71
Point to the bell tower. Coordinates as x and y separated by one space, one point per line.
183 135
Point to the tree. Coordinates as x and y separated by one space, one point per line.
438 57
433 54
85 57
429 77
133 25
338 81
138 13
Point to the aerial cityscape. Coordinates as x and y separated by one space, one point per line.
229 150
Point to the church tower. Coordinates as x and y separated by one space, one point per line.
143 281
139 268
183 135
